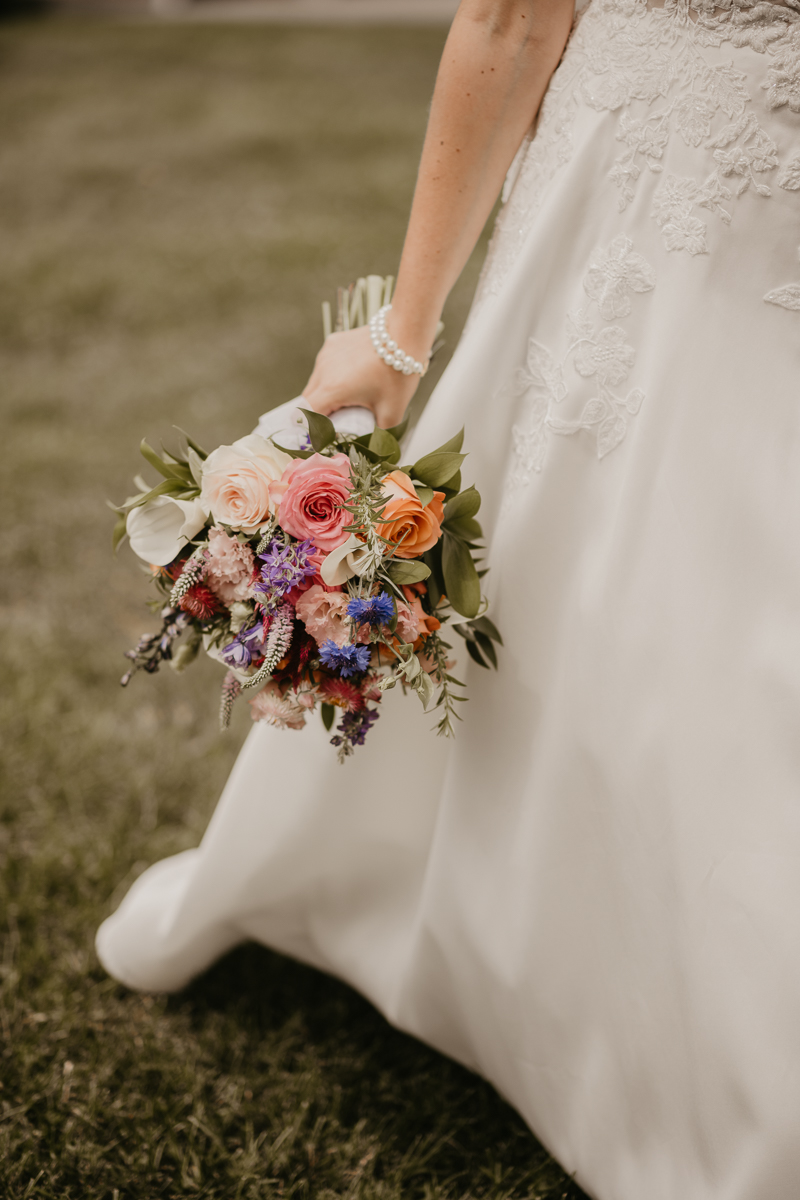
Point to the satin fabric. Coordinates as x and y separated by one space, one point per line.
591 896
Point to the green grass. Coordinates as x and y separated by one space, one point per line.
174 203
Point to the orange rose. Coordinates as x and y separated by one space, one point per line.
417 529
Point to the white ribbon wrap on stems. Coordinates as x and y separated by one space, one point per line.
287 425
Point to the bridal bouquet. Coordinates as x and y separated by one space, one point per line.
319 573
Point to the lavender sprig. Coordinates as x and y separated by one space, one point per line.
154 648
193 571
279 639
230 690
352 730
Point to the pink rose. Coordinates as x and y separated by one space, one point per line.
229 567
324 614
311 493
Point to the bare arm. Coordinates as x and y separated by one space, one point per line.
495 68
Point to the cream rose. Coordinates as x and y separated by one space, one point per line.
236 482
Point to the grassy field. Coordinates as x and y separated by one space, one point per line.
174 203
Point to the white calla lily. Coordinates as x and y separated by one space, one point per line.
159 530
347 560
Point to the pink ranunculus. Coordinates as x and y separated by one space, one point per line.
408 625
229 567
310 493
324 614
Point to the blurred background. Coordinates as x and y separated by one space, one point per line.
181 185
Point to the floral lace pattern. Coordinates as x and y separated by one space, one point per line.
657 65
613 277
787 296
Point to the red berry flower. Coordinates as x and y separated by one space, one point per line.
200 602
342 693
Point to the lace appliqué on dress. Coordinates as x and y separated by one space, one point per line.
655 64
787 296
614 276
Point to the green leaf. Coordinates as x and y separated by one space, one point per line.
433 560
454 444
466 529
487 647
321 431
399 431
402 571
436 468
165 488
328 713
384 444
424 495
292 453
484 625
461 582
474 652
191 442
452 487
119 533
465 504
169 470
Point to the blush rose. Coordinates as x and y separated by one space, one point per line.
236 482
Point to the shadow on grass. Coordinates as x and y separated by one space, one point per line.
431 1127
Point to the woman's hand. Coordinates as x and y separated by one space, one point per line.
496 65
348 373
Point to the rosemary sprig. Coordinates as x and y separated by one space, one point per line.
447 699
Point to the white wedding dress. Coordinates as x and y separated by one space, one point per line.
591 896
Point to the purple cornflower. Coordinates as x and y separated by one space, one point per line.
354 727
377 610
346 660
285 566
247 645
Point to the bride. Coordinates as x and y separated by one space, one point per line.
591 896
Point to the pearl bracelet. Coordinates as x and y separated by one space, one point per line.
387 349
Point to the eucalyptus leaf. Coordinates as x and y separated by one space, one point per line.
399 431
119 533
454 444
192 443
195 466
474 653
433 561
436 468
484 625
487 647
172 459
384 444
321 430
466 529
328 713
452 487
406 571
165 488
292 453
461 583
424 688
465 504
157 461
